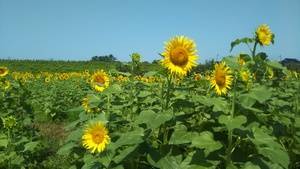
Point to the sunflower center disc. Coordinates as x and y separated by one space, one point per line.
2 71
99 80
98 137
179 57
220 78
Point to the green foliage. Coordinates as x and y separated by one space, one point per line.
166 123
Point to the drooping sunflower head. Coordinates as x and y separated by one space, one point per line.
241 61
9 122
180 55
100 81
3 71
270 73
95 137
6 85
264 35
85 104
221 78
197 76
245 75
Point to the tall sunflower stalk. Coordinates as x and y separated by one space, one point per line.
230 147
179 57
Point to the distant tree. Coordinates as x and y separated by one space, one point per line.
155 61
106 58
208 65
292 64
135 63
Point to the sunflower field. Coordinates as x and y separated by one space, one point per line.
244 113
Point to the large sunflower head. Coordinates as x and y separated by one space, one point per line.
100 81
180 55
264 35
3 71
221 78
95 137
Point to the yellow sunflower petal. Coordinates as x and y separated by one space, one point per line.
180 55
95 137
3 71
100 81
221 78
264 35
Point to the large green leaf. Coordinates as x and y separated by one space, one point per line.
3 141
144 94
152 119
75 135
218 103
275 155
93 100
268 147
206 141
124 153
275 65
246 101
180 135
31 146
66 149
242 40
130 138
261 138
89 161
250 165
168 162
232 62
113 89
232 122
261 93
297 122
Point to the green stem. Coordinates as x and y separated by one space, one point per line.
108 107
9 146
249 48
254 49
166 106
169 83
230 132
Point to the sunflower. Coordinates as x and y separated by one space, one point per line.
3 71
241 60
95 137
180 55
270 73
85 105
264 35
221 78
197 76
88 107
47 79
9 122
100 81
245 75
6 85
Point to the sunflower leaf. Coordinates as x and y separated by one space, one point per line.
206 141
239 41
232 122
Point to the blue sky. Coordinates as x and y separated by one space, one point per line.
78 30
